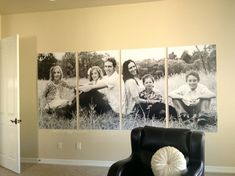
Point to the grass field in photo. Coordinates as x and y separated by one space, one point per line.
209 80
53 121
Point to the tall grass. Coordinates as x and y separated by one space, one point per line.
135 120
89 119
54 121
192 126
51 121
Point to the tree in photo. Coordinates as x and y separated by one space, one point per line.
192 86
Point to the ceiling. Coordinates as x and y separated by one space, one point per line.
24 6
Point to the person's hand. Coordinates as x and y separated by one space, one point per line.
176 96
153 101
191 102
69 103
85 88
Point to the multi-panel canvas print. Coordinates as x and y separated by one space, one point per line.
123 89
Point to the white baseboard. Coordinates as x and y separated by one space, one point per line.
29 160
68 162
220 169
76 162
208 169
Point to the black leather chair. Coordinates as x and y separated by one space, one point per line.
145 141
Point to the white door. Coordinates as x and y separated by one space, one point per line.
9 104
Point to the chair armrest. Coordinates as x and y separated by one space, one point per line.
121 168
195 169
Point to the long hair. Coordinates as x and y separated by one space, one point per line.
98 69
52 70
125 70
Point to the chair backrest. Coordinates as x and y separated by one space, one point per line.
147 140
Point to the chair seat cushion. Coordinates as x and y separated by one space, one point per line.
168 161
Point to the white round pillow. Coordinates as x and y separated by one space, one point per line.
168 161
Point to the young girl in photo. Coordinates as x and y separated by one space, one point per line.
94 97
95 77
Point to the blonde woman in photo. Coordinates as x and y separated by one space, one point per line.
53 94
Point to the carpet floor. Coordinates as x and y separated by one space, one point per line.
56 170
61 170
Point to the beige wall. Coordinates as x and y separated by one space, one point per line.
28 94
0 26
154 24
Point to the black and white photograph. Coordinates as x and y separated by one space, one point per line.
143 87
192 86
99 90
57 90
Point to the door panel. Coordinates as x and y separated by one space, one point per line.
9 104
